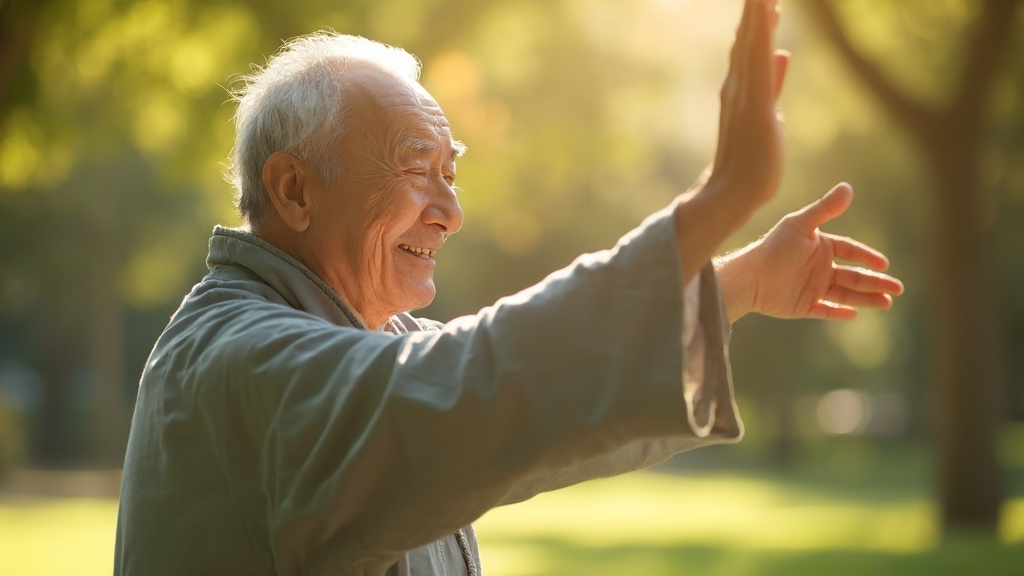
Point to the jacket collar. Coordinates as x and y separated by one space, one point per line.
292 280
297 284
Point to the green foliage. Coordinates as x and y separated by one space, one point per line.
919 43
581 116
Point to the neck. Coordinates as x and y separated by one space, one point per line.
294 244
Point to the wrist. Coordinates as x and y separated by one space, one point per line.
705 217
703 221
737 280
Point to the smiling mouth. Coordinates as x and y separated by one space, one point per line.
424 253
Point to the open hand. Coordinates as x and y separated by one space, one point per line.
792 272
749 156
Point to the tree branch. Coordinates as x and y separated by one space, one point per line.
17 28
918 117
984 55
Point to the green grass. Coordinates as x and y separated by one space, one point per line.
735 525
57 536
743 523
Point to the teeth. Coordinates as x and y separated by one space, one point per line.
417 250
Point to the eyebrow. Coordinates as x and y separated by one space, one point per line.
424 145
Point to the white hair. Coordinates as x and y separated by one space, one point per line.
295 104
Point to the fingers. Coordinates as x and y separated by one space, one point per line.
853 299
757 64
752 66
734 79
854 288
853 251
749 156
824 310
829 206
781 59
739 45
829 310
865 282
774 11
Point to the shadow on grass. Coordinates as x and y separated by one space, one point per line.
551 557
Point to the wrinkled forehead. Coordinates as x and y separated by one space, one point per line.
394 108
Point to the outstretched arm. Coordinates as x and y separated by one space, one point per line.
792 272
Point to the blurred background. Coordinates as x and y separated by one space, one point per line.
891 444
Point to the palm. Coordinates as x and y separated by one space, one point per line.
749 154
796 271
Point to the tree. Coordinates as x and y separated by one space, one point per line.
99 120
950 133
114 127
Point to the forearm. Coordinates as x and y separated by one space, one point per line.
704 219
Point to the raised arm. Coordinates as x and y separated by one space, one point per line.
749 157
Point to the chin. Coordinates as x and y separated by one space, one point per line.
419 296
423 303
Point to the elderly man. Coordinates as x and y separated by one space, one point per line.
293 418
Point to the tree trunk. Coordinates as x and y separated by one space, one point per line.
109 433
106 332
968 354
53 422
968 360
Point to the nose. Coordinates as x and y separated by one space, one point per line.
444 209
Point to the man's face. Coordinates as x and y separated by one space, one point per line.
375 232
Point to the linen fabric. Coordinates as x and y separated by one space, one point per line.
274 434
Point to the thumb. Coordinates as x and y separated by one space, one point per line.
781 60
829 206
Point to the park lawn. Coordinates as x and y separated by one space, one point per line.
57 536
650 523
750 524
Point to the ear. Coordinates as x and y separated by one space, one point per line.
285 182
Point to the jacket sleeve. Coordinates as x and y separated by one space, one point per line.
372 444
708 400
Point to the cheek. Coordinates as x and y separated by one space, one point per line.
379 204
377 230
393 210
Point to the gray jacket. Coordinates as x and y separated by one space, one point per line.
274 435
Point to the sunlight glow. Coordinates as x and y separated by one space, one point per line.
510 35
454 76
82 528
457 82
1011 528
1010 445
715 524
152 276
865 343
642 523
844 412
27 158
159 122
516 232
712 510
20 159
